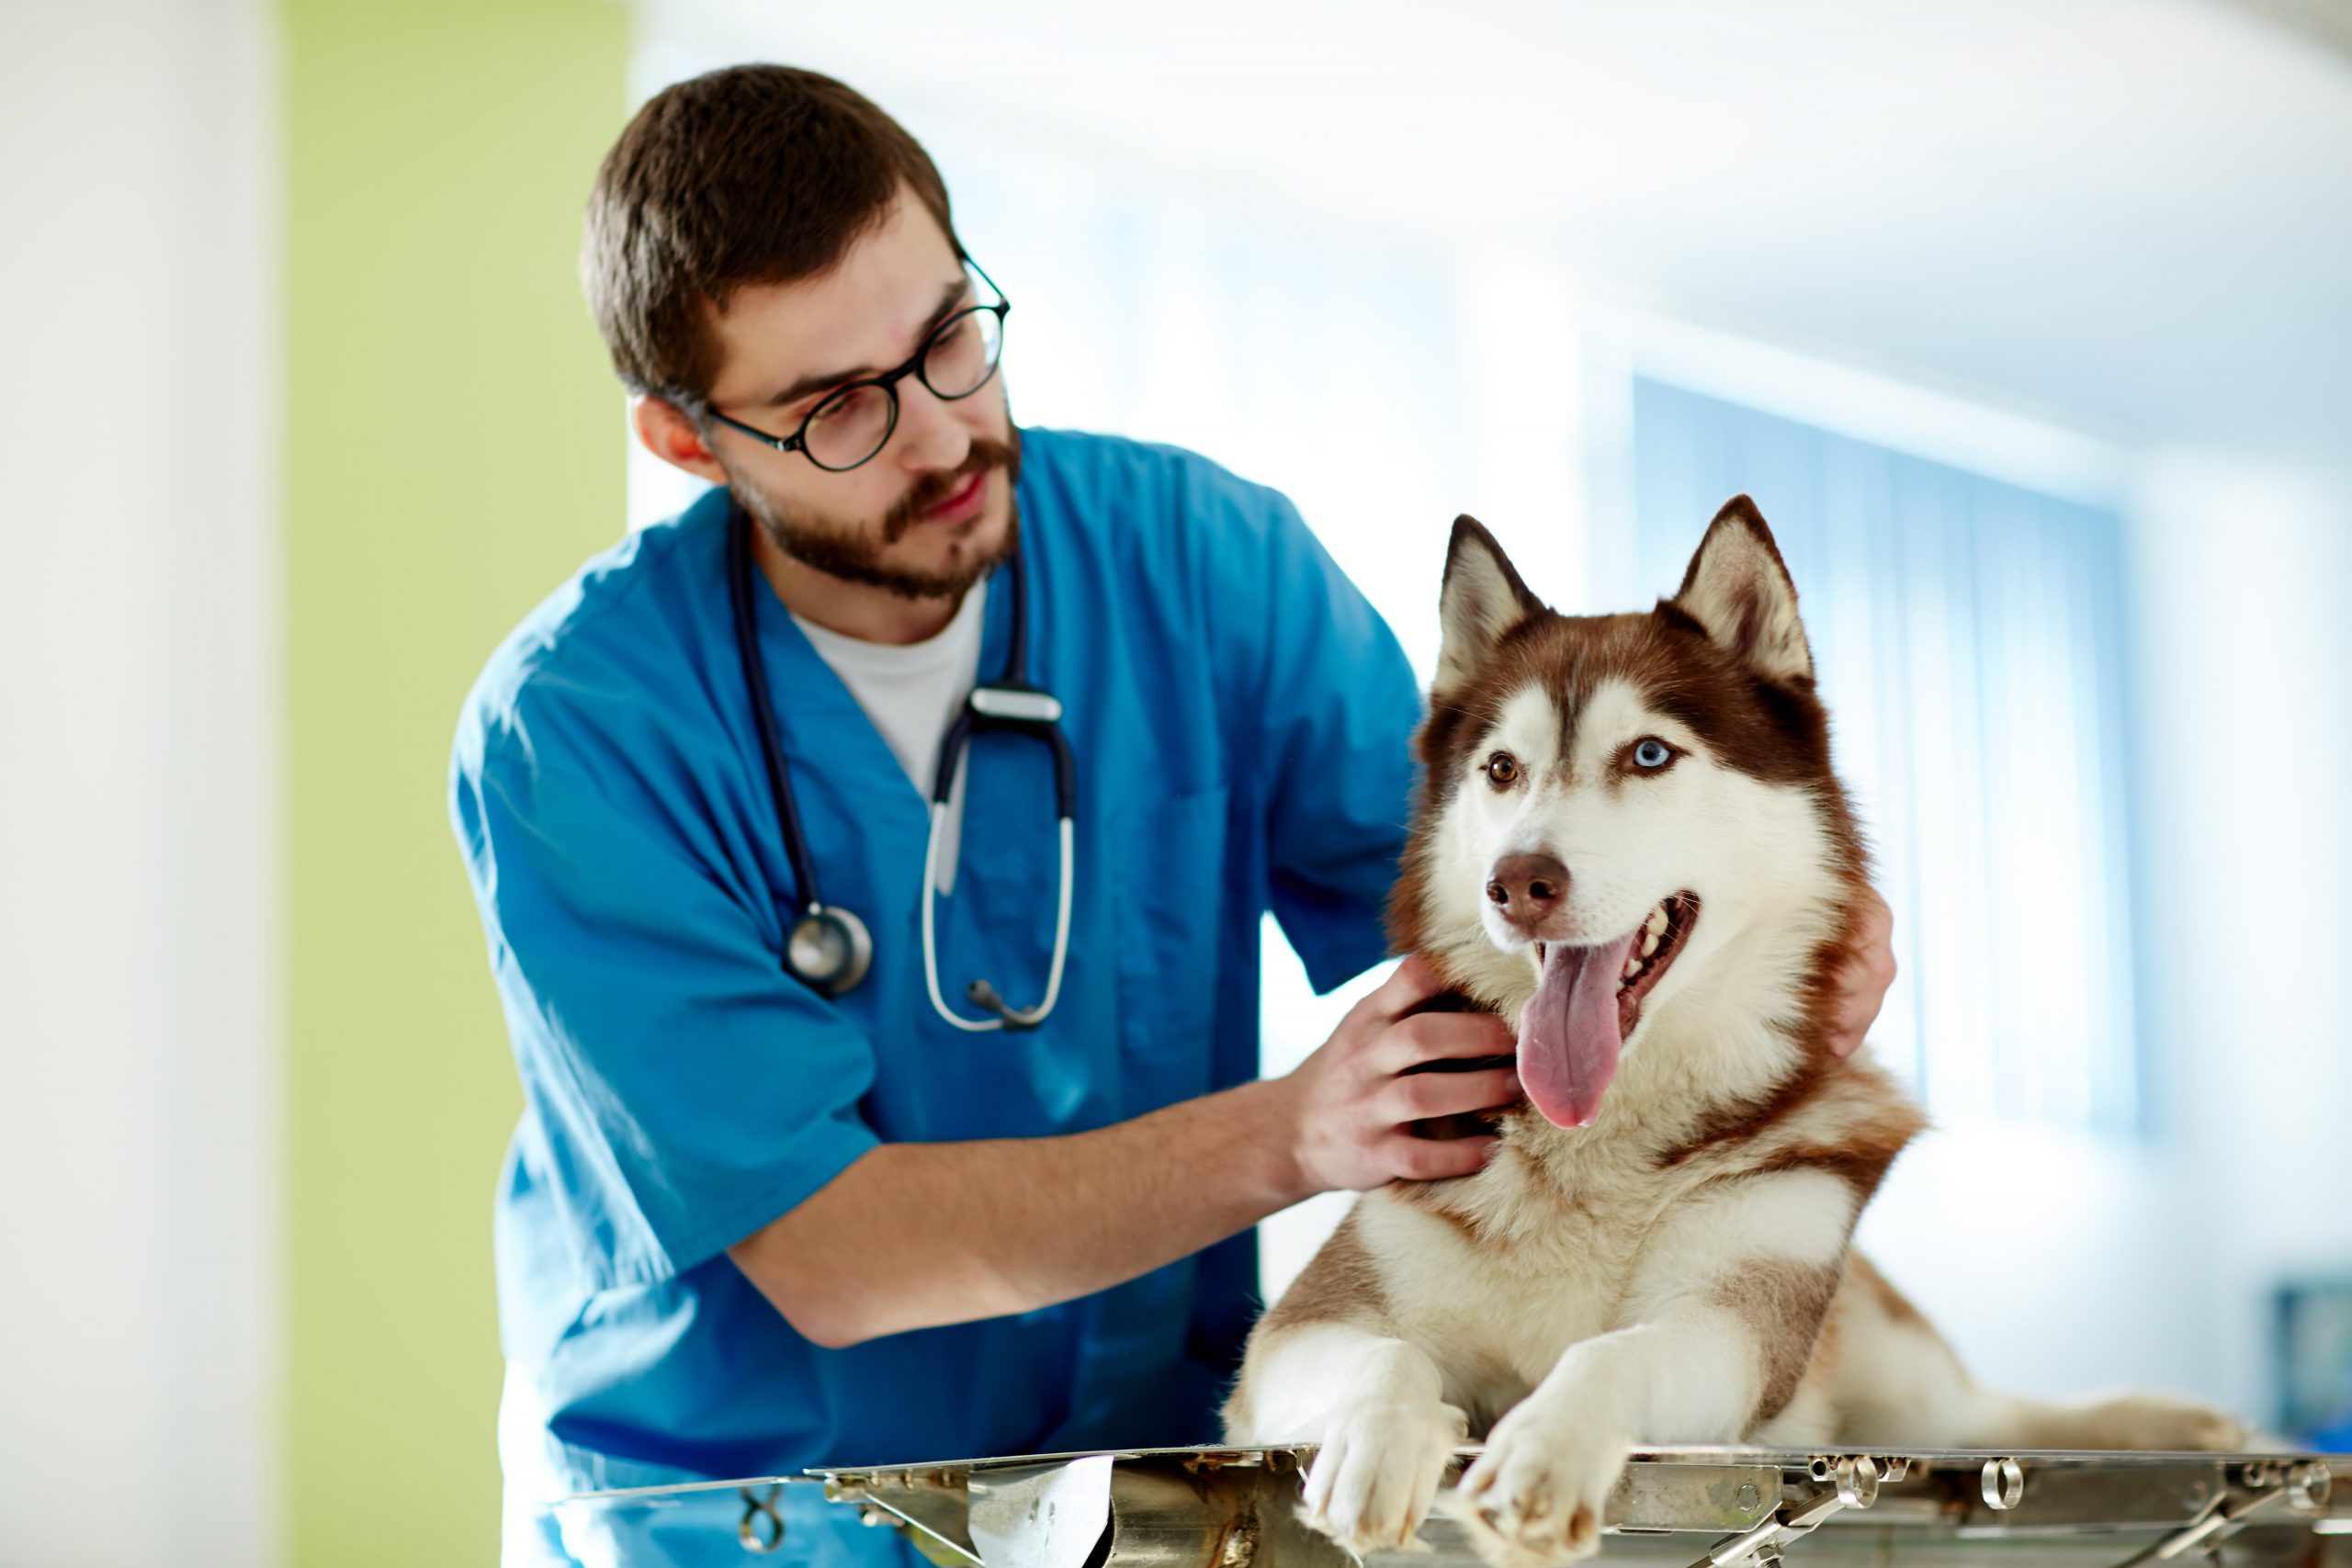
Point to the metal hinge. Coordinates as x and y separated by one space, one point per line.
2262 1486
1852 1480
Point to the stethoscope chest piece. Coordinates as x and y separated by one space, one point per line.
830 949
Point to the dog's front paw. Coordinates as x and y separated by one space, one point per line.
1534 1498
1377 1472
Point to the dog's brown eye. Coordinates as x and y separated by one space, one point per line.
1502 770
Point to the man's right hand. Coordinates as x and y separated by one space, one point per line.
913 1236
1351 1104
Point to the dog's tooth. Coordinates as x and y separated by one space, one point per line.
1650 944
1657 926
1633 967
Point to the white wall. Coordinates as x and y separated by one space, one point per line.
2239 571
138 1296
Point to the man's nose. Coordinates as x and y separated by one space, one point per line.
1527 888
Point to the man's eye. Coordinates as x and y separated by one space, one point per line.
1502 770
1650 753
841 406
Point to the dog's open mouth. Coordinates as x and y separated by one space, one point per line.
1588 1000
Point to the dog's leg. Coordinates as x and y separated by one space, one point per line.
1376 1404
1325 1366
1718 1333
2159 1421
1899 1382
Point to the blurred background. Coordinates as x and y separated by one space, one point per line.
2028 325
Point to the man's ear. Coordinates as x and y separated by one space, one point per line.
1481 600
665 431
1739 589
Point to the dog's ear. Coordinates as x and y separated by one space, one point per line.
1739 589
1481 600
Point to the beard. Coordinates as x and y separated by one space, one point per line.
854 553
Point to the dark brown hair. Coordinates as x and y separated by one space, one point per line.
756 174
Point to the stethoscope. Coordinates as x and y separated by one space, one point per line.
829 948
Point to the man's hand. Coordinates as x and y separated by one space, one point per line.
1863 983
1352 1102
913 1236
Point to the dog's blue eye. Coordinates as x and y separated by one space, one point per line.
1652 753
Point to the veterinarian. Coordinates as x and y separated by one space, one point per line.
994 1194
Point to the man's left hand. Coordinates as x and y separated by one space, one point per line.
1864 981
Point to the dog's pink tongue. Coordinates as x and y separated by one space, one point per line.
1567 1036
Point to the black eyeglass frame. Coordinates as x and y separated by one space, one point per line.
889 381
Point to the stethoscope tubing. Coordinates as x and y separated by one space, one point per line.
756 676
1010 703
981 991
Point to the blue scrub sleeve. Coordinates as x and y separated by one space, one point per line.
650 1016
1334 702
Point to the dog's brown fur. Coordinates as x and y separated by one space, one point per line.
1702 1214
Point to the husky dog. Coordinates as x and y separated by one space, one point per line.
1630 841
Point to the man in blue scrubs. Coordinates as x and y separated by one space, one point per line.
745 1227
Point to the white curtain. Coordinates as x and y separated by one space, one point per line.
1967 634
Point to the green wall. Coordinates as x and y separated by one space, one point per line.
453 443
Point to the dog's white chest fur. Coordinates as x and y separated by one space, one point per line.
1507 1321
1510 1282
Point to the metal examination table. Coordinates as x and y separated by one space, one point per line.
1699 1507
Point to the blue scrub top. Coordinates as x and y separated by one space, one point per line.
1241 719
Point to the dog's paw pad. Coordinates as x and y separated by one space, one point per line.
1584 1531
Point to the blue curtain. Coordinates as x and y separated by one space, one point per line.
1967 637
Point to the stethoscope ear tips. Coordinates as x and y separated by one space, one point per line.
830 949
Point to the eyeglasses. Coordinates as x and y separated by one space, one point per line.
854 422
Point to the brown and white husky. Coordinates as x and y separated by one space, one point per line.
1630 841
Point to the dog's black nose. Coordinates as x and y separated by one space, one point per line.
1527 888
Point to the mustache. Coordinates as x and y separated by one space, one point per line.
934 488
